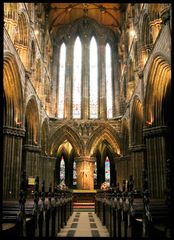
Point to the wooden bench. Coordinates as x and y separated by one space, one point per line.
10 211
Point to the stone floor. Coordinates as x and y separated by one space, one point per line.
83 224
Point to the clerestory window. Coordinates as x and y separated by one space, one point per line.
86 88
93 92
77 75
108 68
61 81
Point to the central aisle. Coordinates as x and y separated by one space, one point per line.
83 224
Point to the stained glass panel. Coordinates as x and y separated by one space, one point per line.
95 174
93 61
107 170
77 79
108 81
62 169
61 81
74 174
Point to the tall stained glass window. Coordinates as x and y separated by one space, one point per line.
61 81
77 66
74 174
95 173
108 80
93 61
107 170
62 169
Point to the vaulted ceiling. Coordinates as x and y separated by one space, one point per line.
107 14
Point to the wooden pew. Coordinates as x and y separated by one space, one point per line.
10 214
159 218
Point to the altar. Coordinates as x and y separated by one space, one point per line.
84 196
84 199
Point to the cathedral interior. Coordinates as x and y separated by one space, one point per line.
87 105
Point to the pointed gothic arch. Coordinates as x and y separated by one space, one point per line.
158 127
66 133
136 124
100 134
32 121
12 92
44 137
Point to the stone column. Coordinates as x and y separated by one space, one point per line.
68 82
137 156
123 168
102 82
116 84
156 159
12 161
85 172
55 74
32 161
85 81
43 170
50 171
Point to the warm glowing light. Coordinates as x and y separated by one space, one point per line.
150 120
118 151
149 123
18 124
132 33
36 32
144 59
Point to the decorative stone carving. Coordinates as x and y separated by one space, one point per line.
19 132
32 148
151 131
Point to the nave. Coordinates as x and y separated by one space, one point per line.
87 103
84 224
108 212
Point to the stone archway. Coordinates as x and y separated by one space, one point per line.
31 146
137 147
13 131
44 136
65 133
156 126
100 134
124 163
107 137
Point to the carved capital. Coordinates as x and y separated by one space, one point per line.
32 148
137 148
153 131
19 132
